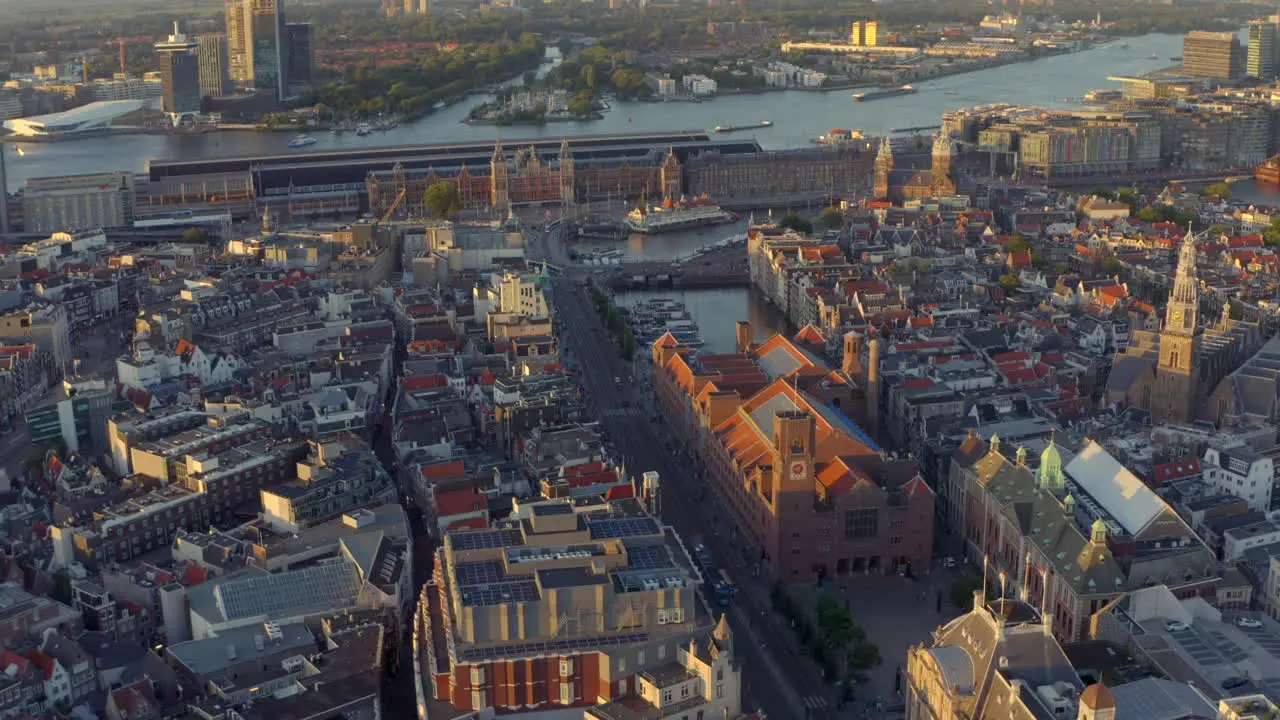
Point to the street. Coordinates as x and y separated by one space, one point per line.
774 678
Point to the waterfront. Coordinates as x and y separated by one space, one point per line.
717 313
797 116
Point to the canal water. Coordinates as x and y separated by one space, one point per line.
797 116
717 313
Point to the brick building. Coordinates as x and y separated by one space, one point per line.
811 492
560 607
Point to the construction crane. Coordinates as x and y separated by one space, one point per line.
394 204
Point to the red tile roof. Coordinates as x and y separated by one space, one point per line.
460 502
442 470
423 382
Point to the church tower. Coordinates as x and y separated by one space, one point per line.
1174 396
671 176
498 188
944 152
567 180
884 165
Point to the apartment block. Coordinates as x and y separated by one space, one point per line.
336 477
235 476
133 427
558 609
161 457
139 521
78 202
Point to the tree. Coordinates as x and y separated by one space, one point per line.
589 76
1112 265
831 216
582 103
794 222
565 45
1017 243
1128 196
1217 230
442 200
1009 281
194 235
962 591
1220 189
1149 214
1103 193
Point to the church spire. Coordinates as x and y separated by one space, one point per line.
1184 301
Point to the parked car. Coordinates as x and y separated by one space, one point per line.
1233 682
1176 626
1248 622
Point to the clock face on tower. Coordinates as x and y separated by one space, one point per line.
797 469
1177 315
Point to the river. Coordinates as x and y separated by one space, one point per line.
798 116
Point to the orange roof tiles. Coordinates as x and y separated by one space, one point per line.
443 470
460 502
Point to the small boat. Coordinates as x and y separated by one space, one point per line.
1176 58
952 92
363 129
1155 56
734 128
883 93
302 141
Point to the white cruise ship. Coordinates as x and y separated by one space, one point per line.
672 215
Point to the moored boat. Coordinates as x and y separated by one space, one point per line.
677 215
1269 171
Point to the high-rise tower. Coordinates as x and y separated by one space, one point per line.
180 72
1261 57
215 79
256 45
1175 392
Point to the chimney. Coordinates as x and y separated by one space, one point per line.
745 336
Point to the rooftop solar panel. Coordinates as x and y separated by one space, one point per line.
477 573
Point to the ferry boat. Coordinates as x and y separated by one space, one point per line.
1269 171
302 141
736 128
883 93
673 215
363 129
839 136
1103 95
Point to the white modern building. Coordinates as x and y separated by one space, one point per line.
1243 472
93 117
699 85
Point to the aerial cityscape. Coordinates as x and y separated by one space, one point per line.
625 360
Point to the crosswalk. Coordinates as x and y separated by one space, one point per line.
621 412
814 703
